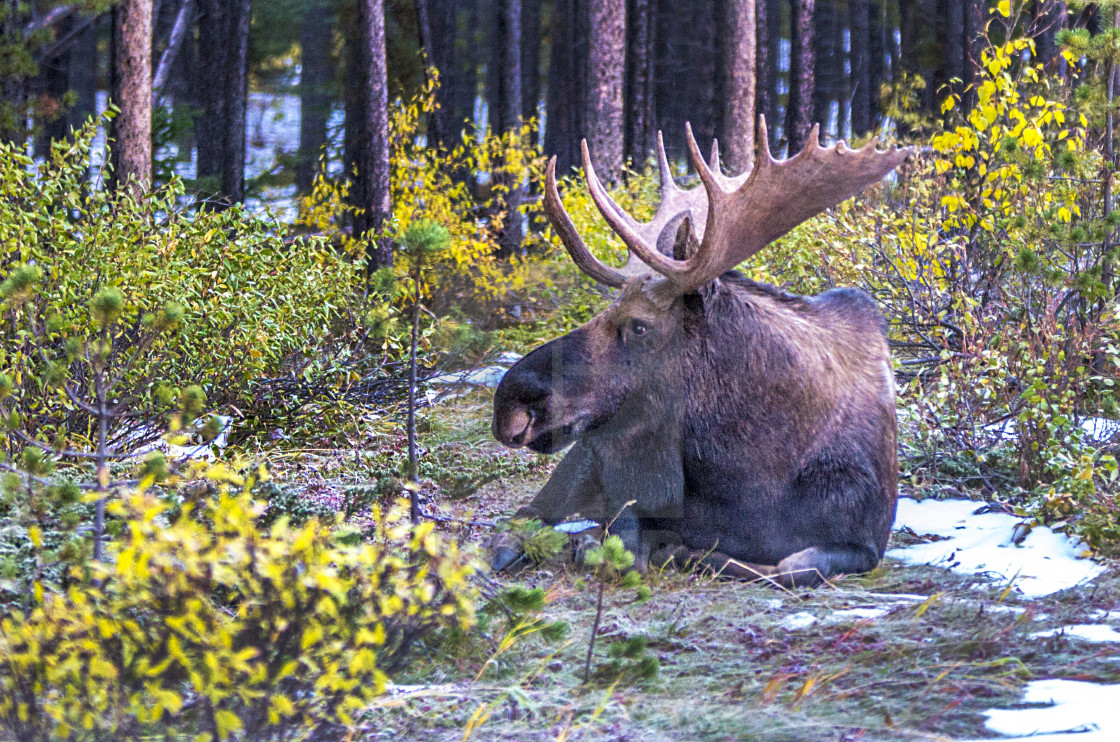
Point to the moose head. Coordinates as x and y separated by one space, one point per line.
750 425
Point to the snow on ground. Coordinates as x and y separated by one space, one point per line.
1090 632
487 376
1066 711
1042 563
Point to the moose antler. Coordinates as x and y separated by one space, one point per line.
743 214
676 203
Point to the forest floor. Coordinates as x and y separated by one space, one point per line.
906 652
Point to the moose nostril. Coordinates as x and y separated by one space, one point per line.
519 423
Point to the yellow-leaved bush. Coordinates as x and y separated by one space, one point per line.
207 624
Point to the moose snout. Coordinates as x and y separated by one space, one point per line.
520 401
514 428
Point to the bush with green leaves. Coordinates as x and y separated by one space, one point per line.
251 301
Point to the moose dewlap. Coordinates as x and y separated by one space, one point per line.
752 430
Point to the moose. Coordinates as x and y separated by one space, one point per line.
718 422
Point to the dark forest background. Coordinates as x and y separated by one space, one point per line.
841 62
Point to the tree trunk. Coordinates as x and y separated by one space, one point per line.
314 102
876 56
428 44
843 79
221 85
509 91
1046 24
861 79
132 93
828 67
55 73
701 71
236 84
509 114
975 42
606 68
372 186
530 60
641 126
83 77
955 55
737 44
762 62
567 83
773 42
799 111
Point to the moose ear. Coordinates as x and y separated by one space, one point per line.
685 244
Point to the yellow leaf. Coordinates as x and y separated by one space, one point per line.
1004 8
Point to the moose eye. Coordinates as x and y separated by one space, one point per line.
638 327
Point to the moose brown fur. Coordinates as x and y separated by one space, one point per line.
730 423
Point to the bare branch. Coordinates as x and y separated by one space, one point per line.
174 43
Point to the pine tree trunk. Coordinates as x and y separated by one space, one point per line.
799 112
876 56
737 44
861 79
55 74
429 44
606 68
762 62
702 69
641 127
372 147
132 93
827 65
236 84
566 84
314 102
773 42
530 59
221 85
843 80
83 77
955 55
509 90
974 20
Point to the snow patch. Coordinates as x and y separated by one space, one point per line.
1065 711
200 451
1042 563
800 620
1090 632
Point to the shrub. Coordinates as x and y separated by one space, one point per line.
204 622
251 301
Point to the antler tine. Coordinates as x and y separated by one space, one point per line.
566 229
776 197
762 144
626 227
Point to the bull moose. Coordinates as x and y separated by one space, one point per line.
734 425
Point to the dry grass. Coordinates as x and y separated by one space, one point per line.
944 648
